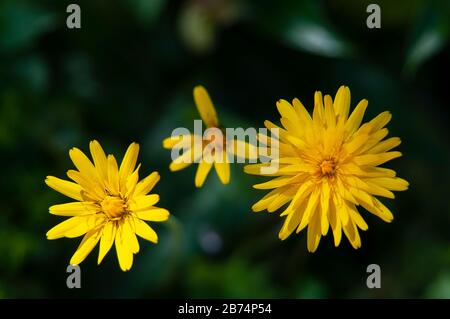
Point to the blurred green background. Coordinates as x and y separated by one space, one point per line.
127 75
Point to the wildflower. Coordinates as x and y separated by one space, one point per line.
328 167
213 148
111 205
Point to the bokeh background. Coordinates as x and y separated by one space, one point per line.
127 75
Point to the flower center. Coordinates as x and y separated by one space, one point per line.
328 167
113 206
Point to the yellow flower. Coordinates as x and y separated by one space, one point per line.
328 167
210 151
111 205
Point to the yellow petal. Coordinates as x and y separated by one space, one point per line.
187 158
301 111
145 231
274 183
124 250
349 231
351 168
356 217
352 234
302 194
107 240
386 145
318 112
128 233
377 190
294 135
343 192
380 121
83 164
132 182
313 236
292 127
264 202
180 141
324 206
292 221
284 195
100 160
330 117
113 175
87 244
205 107
59 230
341 212
291 160
356 142
335 223
368 187
154 214
378 209
342 215
143 202
356 117
342 104
374 139
147 184
295 169
92 188
75 226
286 110
202 172
223 169
74 209
361 196
91 222
376 159
310 209
257 169
324 223
64 187
128 163
325 196
285 138
394 183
